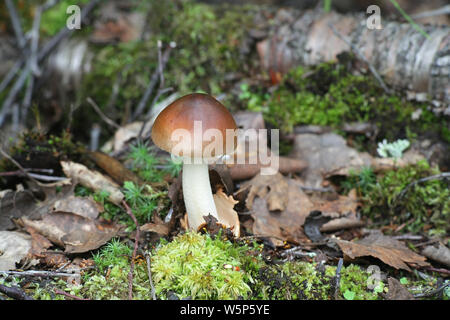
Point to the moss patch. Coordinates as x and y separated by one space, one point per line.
199 267
424 206
329 94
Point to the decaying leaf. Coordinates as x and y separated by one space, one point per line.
73 232
82 206
93 180
397 291
15 204
249 147
227 215
14 246
390 251
291 207
273 188
342 211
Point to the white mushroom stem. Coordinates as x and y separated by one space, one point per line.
197 194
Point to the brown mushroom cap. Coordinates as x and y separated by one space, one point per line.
182 113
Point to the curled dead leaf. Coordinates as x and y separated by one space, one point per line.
390 251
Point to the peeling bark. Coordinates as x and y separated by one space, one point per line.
401 54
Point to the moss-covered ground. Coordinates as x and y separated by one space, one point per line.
209 58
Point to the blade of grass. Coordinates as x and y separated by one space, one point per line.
409 19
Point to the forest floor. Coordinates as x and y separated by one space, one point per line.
90 208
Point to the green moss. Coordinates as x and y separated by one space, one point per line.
54 19
197 266
307 281
354 284
292 281
329 95
425 206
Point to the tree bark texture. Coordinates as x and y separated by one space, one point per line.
400 53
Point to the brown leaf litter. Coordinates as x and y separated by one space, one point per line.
390 251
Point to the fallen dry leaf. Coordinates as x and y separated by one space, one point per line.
14 246
252 165
227 215
342 212
16 204
281 193
273 188
397 291
93 180
390 251
72 231
82 206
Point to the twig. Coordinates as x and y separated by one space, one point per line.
37 273
337 283
95 137
153 80
14 292
443 175
41 54
7 156
63 293
15 21
149 271
147 117
101 114
136 242
327 189
439 270
432 292
432 13
362 57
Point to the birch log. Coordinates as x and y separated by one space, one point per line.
401 54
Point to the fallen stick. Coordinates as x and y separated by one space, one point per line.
133 257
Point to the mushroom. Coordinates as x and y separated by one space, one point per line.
200 130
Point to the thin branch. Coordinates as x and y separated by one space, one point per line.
136 242
41 54
7 156
14 292
337 283
38 273
362 57
101 114
15 21
432 13
63 293
443 175
153 80
432 292
149 271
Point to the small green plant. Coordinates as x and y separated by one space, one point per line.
114 253
145 162
363 181
143 200
200 267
